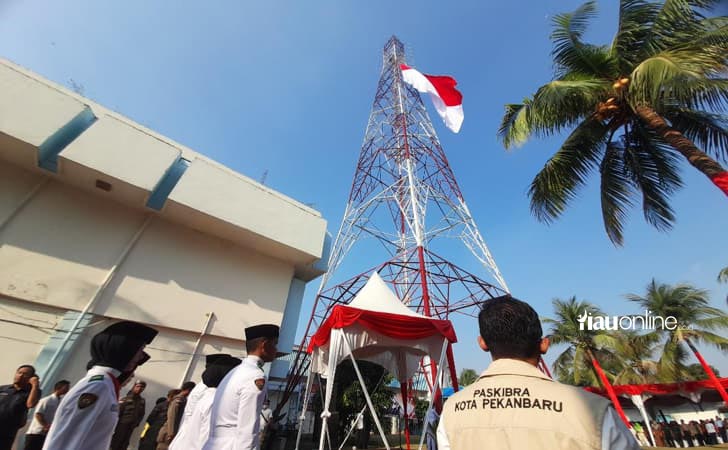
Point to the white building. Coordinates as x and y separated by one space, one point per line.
99 215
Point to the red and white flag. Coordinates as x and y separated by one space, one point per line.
448 101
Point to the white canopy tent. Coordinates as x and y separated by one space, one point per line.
377 327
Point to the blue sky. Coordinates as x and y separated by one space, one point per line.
286 87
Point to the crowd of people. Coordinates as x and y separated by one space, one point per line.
690 434
511 405
226 410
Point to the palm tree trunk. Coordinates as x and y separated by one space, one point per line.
608 386
544 367
709 371
698 158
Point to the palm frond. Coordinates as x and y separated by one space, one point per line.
712 319
514 129
707 130
723 275
633 31
556 105
654 168
671 365
676 76
616 191
562 176
711 339
675 19
569 52
565 102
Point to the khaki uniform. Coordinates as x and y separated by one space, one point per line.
171 426
513 405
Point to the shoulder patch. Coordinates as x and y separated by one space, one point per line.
96 378
86 400
260 383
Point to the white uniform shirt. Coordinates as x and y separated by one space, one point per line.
615 435
87 415
47 408
187 432
235 415
198 423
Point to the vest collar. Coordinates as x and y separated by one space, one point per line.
506 366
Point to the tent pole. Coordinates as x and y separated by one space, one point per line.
307 392
366 393
351 430
335 341
323 403
403 388
637 400
432 394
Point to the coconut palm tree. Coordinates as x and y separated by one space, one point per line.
696 322
574 364
657 93
635 352
585 347
467 377
723 275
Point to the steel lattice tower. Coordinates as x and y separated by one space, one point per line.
405 197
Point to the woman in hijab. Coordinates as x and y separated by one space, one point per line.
87 415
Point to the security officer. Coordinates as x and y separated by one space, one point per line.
175 412
87 415
235 416
131 414
514 405
195 426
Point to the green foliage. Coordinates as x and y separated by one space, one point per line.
668 56
351 396
467 376
696 372
723 275
574 364
697 321
421 408
635 357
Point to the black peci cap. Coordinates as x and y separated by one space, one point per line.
262 331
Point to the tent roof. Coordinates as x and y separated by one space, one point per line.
686 387
377 309
377 296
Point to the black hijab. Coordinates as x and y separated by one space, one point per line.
217 368
117 344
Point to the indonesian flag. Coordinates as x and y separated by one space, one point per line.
448 101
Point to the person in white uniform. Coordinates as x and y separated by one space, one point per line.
195 427
235 415
87 415
45 411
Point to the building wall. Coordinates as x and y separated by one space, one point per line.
24 330
60 247
102 219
